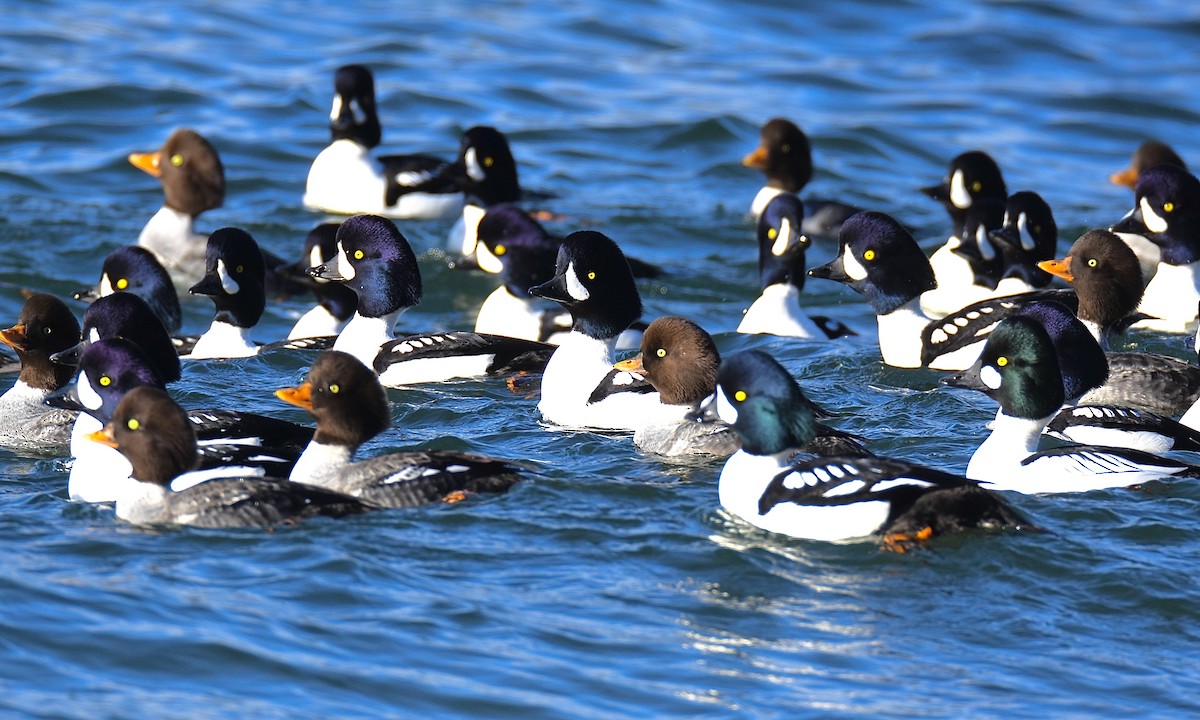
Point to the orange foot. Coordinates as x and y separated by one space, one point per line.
456 496
903 542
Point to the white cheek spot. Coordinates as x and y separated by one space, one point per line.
986 251
474 171
356 112
487 261
783 239
228 284
725 409
1027 241
106 287
94 335
958 191
87 394
854 269
990 377
337 108
344 269
1153 221
575 288
314 256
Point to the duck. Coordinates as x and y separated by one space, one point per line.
784 155
781 265
45 326
193 182
347 179
580 388
974 195
1167 213
125 315
487 172
134 269
234 278
679 359
350 407
375 260
880 260
1148 154
515 246
835 498
335 302
1027 236
228 441
1019 369
155 435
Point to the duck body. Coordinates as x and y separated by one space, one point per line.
44 327
781 266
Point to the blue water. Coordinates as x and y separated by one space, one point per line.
609 585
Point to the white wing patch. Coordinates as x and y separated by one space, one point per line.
412 178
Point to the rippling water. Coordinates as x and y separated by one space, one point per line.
610 585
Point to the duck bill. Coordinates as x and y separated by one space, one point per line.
70 356
968 379
1127 178
633 365
325 272
87 294
1005 238
757 159
104 437
14 337
300 396
1132 224
66 398
146 162
1058 268
833 270
209 285
941 193
554 289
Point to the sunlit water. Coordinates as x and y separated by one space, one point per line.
609 584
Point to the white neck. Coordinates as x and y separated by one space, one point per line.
223 340
764 198
998 459
1172 297
363 336
900 335
503 313
317 322
320 463
142 503
777 311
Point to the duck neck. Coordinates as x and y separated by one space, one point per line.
320 463
363 335
1011 441
900 334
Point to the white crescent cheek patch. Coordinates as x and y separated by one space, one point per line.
990 377
575 288
854 269
228 284
474 171
958 191
1027 241
725 409
337 108
487 261
344 269
106 287
783 238
1153 221
87 395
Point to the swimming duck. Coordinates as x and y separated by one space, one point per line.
784 155
1019 368
832 498
193 181
335 302
234 277
134 269
44 327
155 435
679 359
1167 212
580 389
1027 237
345 178
350 407
781 260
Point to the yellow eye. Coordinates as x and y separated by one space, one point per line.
488 162
358 254
591 276
1002 361
133 424
122 284
240 269
785 148
500 250
46 330
661 352
177 160
1169 207
334 388
740 396
976 186
1037 229
1093 262
772 233
105 381
869 255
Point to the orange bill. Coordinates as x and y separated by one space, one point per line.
1058 268
104 437
14 337
300 396
633 364
756 159
1127 177
146 162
